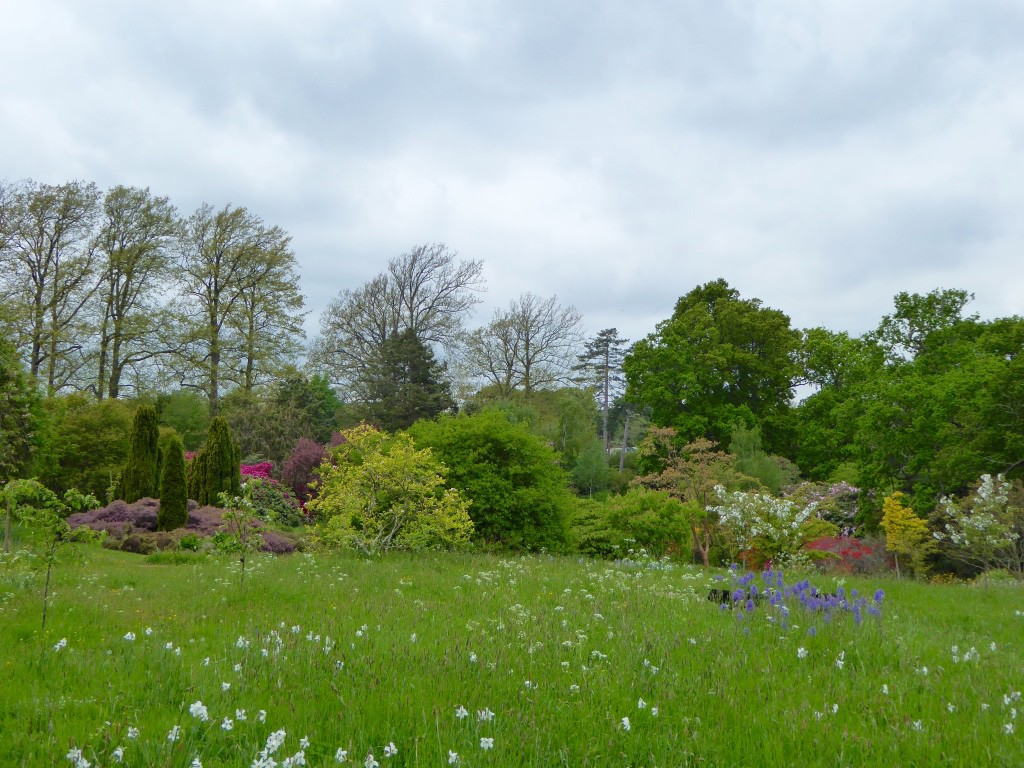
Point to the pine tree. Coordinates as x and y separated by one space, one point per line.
601 367
139 477
173 499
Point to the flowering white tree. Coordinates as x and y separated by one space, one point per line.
776 528
985 529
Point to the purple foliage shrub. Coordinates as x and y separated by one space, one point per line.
300 468
133 527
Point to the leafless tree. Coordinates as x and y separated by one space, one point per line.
532 345
427 291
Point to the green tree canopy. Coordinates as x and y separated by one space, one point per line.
718 361
17 399
520 496
82 443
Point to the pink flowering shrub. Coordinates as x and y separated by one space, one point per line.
262 470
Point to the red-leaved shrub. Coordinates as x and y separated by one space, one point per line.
850 555
299 469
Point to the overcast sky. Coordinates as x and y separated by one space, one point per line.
820 156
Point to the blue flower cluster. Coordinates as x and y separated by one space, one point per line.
745 594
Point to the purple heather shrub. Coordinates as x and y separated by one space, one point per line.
277 543
135 525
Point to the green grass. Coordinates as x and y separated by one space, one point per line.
592 638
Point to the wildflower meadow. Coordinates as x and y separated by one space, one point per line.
479 660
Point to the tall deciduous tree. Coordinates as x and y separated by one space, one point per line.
904 333
48 273
718 360
135 234
223 258
426 291
266 330
601 366
532 345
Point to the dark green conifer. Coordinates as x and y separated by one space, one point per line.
173 498
139 477
216 467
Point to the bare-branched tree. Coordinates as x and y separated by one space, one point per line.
534 344
427 291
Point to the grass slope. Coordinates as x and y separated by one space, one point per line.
547 657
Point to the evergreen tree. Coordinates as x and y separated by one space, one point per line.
601 367
406 383
195 480
139 477
173 499
216 467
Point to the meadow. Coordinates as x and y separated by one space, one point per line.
479 660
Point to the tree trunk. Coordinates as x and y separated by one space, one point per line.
604 424
214 364
250 353
46 590
101 384
625 444
704 550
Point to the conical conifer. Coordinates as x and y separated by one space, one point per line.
216 467
139 477
173 498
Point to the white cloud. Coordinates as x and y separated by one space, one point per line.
821 157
